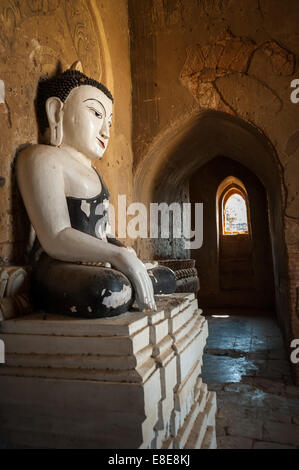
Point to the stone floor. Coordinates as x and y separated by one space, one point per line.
245 363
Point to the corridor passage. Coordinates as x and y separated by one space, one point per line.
246 364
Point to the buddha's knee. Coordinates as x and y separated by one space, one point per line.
163 280
79 290
110 293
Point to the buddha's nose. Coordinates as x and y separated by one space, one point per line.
105 132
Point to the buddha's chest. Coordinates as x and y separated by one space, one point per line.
83 183
90 214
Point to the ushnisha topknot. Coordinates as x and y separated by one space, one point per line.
61 86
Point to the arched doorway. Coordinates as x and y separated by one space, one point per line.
180 151
234 235
235 261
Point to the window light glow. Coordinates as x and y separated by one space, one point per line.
235 215
220 316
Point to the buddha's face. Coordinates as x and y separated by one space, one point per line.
87 115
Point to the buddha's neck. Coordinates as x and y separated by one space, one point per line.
76 155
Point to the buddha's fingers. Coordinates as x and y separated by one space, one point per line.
131 266
141 293
149 292
143 296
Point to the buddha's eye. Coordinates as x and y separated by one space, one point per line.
96 113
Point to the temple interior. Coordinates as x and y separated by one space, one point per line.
205 112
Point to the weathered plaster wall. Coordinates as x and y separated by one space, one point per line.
39 38
232 56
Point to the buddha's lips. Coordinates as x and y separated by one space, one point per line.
102 143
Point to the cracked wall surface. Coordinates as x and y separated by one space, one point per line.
208 68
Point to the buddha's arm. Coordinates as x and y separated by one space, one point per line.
41 182
114 240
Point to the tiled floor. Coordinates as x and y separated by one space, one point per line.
245 363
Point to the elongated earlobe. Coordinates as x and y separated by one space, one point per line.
54 110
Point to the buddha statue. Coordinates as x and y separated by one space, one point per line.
78 267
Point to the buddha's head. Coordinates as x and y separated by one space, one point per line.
75 110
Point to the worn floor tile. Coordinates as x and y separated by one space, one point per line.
245 363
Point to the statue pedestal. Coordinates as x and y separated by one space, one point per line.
130 381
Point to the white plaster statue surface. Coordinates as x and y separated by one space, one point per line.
48 174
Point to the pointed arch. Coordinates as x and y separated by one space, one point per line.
227 189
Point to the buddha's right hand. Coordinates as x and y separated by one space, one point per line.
134 269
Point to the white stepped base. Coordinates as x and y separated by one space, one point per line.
124 382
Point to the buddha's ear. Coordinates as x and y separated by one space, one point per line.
54 112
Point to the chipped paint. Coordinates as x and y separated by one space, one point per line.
73 309
103 291
2 92
85 207
89 308
116 299
101 225
102 207
99 230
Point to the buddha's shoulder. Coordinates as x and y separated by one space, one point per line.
39 154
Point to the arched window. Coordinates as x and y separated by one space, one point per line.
235 220
233 216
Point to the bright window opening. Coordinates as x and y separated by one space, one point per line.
220 316
235 216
